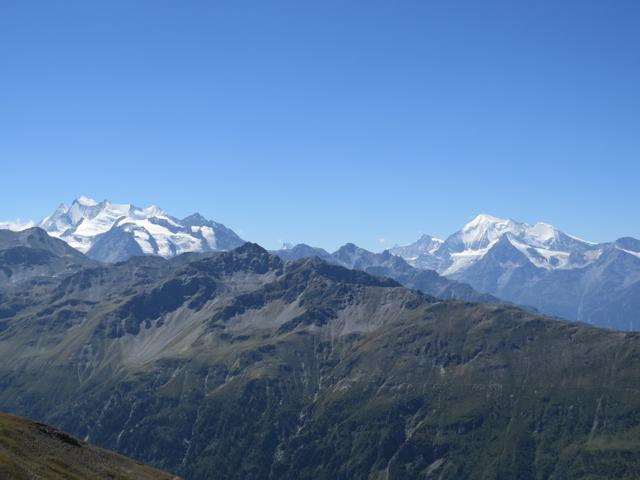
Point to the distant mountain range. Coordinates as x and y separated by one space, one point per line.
387 265
488 259
113 232
541 266
110 232
543 245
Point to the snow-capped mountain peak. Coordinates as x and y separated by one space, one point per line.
429 243
287 246
540 265
194 219
17 225
115 231
541 243
86 218
484 230
485 221
423 249
85 201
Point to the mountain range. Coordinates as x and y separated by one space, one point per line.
489 260
239 365
113 232
387 265
541 266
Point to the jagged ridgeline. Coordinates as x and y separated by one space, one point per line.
238 365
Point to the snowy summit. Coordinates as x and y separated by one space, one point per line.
113 232
544 245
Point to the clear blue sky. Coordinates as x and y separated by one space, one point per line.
326 121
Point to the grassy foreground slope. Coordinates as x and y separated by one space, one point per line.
30 450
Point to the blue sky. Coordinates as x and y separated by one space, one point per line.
327 122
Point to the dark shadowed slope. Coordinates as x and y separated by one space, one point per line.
387 265
32 254
241 366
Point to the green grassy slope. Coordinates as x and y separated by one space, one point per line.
30 450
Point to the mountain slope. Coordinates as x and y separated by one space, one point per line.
32 253
387 265
300 251
239 365
30 450
541 266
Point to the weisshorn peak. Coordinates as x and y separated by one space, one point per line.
544 246
541 266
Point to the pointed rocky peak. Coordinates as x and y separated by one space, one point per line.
387 255
58 221
350 250
337 273
83 208
350 254
426 247
195 220
85 201
32 253
629 243
427 242
248 249
250 258
61 210
152 211
347 248
302 250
